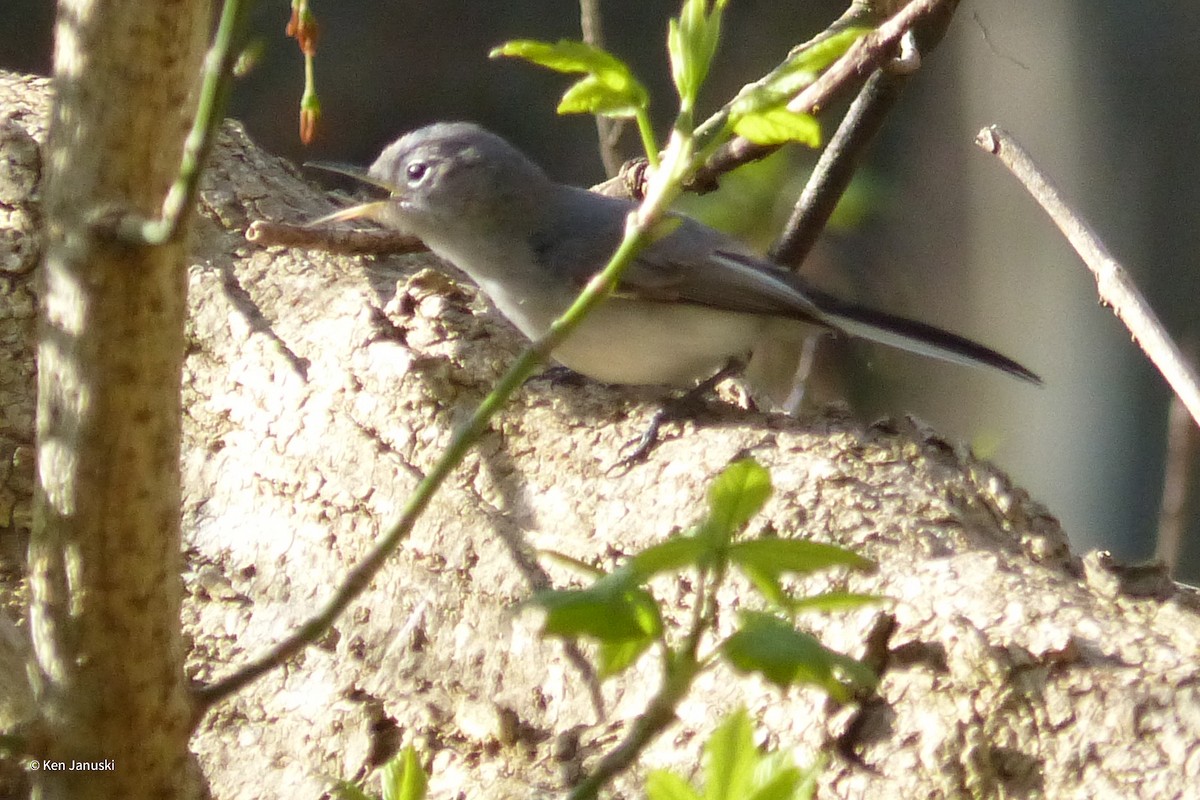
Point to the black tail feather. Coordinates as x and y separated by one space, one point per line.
916 337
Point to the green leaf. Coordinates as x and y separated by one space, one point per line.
784 656
738 493
608 610
590 95
403 778
663 785
824 52
565 55
732 758
853 672
345 790
675 553
797 556
778 125
764 560
692 41
779 780
835 601
769 586
609 88
616 657
790 78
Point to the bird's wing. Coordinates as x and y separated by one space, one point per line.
691 264
696 264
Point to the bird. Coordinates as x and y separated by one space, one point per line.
690 302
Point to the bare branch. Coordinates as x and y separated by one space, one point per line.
836 167
866 55
354 242
608 130
1182 442
1117 290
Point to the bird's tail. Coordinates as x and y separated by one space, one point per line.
916 337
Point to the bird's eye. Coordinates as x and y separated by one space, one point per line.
416 171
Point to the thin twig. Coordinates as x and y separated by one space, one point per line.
1117 290
1183 440
854 135
608 130
355 242
837 166
863 57
657 717
680 669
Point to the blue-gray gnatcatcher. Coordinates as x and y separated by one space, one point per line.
693 299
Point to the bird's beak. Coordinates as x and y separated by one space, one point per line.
360 211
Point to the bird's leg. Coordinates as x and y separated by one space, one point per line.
557 375
676 408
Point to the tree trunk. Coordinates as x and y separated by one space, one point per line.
104 560
317 388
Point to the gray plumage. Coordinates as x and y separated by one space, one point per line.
691 300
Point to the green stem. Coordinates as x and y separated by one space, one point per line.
210 111
680 669
658 716
636 233
647 133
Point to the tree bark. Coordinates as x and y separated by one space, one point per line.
318 387
105 555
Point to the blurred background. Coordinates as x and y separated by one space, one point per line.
1102 92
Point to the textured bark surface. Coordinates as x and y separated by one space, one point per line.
318 388
114 713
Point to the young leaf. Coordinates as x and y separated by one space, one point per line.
578 565
780 781
797 556
607 611
345 790
784 656
778 125
821 54
564 55
779 778
663 785
732 758
807 789
675 553
738 493
791 77
677 52
616 657
590 95
802 67
403 777
736 770
835 601
691 43
609 87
